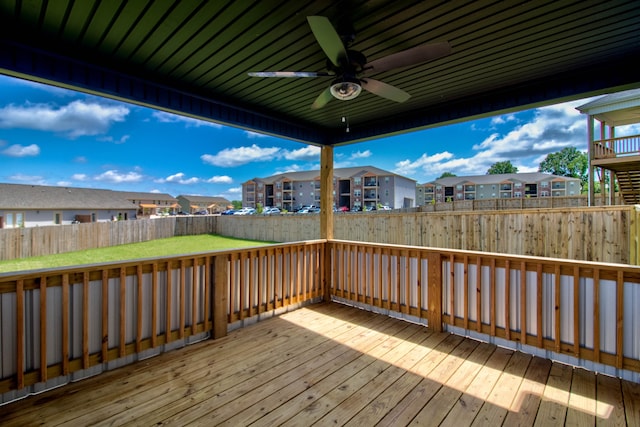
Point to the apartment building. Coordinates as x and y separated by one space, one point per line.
354 188
510 185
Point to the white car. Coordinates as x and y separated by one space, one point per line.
245 211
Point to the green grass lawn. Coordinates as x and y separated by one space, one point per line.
155 248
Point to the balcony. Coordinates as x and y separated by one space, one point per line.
278 356
622 156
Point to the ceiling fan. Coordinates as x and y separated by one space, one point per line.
351 69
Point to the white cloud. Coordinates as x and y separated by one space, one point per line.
220 179
17 150
116 177
409 168
361 154
121 140
179 178
230 157
79 177
310 153
253 135
75 119
235 190
550 130
164 117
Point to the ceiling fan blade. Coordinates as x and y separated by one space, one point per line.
288 74
384 90
413 56
322 99
328 38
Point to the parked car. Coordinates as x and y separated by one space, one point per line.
201 213
245 211
228 212
271 211
385 208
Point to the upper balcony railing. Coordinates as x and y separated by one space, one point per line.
616 147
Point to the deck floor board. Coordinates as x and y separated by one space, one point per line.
329 364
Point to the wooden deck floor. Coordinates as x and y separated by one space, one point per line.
329 364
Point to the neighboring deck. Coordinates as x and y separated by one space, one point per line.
335 365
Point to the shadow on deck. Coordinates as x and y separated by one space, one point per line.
332 364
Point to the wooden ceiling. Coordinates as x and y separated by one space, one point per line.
192 57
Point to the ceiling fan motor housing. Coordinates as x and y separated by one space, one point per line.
345 88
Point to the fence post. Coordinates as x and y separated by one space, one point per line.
220 296
434 291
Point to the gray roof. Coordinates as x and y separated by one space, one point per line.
340 173
19 196
136 195
616 109
205 199
492 179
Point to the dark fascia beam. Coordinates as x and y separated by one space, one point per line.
44 66
607 76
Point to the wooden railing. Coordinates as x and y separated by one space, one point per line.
63 324
66 323
616 147
582 311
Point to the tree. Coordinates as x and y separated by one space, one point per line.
567 162
237 204
446 175
502 167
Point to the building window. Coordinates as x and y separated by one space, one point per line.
356 181
57 218
14 220
357 193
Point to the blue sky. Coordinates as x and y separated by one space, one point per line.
52 136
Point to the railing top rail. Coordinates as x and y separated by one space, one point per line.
503 257
25 274
618 138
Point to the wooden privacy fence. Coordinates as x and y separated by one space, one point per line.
581 312
604 234
28 242
63 324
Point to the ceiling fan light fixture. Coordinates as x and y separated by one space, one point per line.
345 89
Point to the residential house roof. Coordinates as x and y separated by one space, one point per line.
617 109
205 200
20 196
138 196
